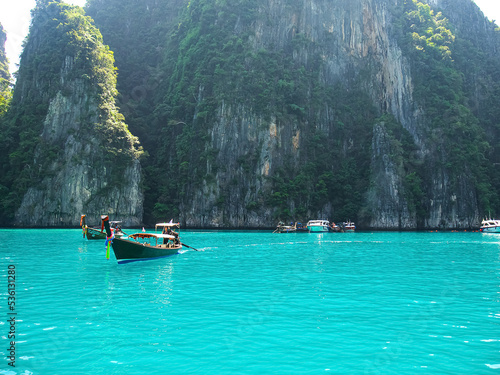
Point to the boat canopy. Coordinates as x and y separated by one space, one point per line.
170 224
152 235
318 222
490 223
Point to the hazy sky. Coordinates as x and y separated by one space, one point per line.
15 18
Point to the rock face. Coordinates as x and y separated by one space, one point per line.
357 36
356 41
247 145
389 207
79 180
85 161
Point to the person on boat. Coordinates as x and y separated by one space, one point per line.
176 239
164 231
175 234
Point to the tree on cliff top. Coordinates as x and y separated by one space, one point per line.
5 92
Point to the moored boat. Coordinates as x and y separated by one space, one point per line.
318 225
301 227
116 228
282 228
142 246
349 226
96 233
92 233
334 227
490 226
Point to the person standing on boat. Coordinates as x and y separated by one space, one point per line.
175 234
164 231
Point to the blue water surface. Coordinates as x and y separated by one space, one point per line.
254 302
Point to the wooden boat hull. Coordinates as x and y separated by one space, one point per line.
285 229
302 229
94 234
129 251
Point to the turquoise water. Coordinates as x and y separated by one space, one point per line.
254 303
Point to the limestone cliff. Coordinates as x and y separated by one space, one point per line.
83 159
357 45
370 110
352 46
253 111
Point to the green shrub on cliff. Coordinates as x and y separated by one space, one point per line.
459 142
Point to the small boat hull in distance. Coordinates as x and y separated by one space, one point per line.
349 226
334 228
282 228
318 225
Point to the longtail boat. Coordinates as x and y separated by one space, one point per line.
490 226
92 233
141 246
318 225
96 233
282 228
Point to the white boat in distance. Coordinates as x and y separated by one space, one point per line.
318 225
490 226
349 226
